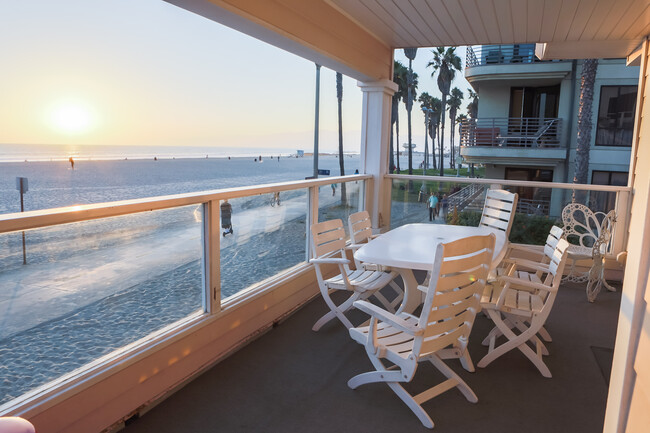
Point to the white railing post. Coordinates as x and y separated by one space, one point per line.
211 257
312 218
623 207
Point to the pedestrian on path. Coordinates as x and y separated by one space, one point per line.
433 204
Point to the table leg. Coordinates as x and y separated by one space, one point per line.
412 296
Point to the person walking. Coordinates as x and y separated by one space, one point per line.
433 204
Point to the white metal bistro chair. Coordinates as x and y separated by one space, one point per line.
441 332
522 300
360 234
328 240
590 234
499 210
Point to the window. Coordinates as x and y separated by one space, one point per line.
606 201
616 115
532 200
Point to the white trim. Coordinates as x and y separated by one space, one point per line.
64 215
468 180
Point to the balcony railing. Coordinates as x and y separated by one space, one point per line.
109 283
479 55
105 280
541 203
512 132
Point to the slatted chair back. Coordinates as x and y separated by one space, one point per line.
360 227
453 297
552 239
327 237
556 262
499 210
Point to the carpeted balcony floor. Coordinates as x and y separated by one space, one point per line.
294 380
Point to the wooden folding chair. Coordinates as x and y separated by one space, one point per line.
441 332
329 240
360 234
499 210
522 301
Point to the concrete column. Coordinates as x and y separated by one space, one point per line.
375 142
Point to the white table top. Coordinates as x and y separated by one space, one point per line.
413 246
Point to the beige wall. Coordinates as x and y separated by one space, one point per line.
628 402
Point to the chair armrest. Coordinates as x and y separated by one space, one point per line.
385 316
527 284
330 260
528 264
353 247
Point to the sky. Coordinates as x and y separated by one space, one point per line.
120 72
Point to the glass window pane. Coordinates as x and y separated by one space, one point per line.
616 115
264 237
339 200
92 287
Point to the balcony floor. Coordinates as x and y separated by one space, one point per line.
294 380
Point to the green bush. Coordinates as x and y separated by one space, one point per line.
526 229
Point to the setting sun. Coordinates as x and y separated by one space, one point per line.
71 117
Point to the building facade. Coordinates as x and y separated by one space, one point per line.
526 127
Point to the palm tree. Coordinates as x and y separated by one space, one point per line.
447 63
434 131
587 79
425 104
339 97
454 102
410 97
472 111
399 77
459 120
472 107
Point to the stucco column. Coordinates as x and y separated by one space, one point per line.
375 142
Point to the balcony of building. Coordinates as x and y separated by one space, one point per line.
515 64
144 317
503 140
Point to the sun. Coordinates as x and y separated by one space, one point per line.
71 117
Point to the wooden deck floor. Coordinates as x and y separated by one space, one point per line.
294 380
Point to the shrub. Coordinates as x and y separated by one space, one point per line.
526 229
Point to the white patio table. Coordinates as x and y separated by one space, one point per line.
413 246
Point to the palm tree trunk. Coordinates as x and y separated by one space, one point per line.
397 144
451 145
587 80
339 85
442 134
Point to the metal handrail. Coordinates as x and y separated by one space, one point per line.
512 132
479 55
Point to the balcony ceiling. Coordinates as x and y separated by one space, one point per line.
621 24
357 37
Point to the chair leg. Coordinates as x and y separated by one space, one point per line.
451 374
336 311
545 335
534 339
518 341
415 407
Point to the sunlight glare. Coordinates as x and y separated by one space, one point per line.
71 117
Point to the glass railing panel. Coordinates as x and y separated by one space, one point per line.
90 288
460 203
264 237
411 198
339 200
